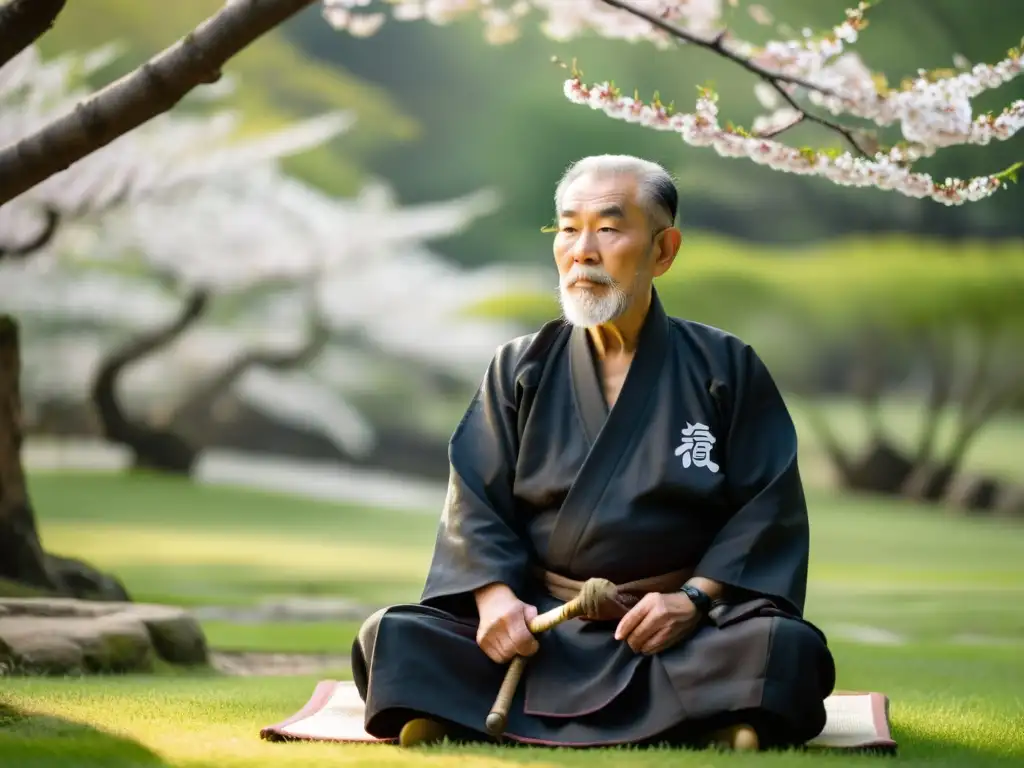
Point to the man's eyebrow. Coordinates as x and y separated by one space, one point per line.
612 212
608 212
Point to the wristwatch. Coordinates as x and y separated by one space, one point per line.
699 597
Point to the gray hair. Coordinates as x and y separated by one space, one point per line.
658 193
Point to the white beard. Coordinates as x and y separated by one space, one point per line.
587 307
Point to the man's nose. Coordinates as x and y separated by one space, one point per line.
584 250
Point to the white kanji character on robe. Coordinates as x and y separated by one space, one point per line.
695 447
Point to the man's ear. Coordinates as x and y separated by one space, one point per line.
666 249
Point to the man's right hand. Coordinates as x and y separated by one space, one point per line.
504 632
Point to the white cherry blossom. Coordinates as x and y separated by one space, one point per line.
701 129
359 265
933 110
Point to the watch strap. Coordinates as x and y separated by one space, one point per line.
699 597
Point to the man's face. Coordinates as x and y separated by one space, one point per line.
606 248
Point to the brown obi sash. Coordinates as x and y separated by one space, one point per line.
629 594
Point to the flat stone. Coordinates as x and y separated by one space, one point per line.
176 635
65 636
60 645
47 654
58 606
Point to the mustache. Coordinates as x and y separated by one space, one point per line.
585 272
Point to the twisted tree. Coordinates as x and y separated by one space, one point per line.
161 159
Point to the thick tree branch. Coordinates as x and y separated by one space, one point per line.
776 80
152 89
972 422
37 243
982 400
117 426
22 22
277 361
976 387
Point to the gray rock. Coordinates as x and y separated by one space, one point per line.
176 635
32 652
65 636
59 607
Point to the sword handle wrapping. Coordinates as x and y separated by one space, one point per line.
556 616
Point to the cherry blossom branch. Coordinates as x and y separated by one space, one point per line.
773 78
715 44
22 22
152 89
701 129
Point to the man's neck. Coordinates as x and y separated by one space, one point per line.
620 336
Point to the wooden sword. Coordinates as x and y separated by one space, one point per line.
592 595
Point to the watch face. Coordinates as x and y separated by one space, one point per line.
697 597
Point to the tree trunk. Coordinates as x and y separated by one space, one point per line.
880 468
151 447
928 480
868 380
21 553
22 558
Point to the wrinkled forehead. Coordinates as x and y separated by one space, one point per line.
603 196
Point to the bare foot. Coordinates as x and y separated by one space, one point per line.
740 738
420 732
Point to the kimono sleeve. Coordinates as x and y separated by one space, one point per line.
763 547
479 540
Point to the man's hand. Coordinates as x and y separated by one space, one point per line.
504 632
657 622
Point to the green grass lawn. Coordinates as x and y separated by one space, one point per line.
948 591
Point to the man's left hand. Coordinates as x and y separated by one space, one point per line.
657 622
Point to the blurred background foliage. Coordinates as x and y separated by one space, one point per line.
441 111
851 295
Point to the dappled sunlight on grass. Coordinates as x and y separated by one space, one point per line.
211 567
188 722
315 637
116 546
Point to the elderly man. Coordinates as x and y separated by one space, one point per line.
653 452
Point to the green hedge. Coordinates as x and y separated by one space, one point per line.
899 284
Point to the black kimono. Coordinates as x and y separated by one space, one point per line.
695 466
